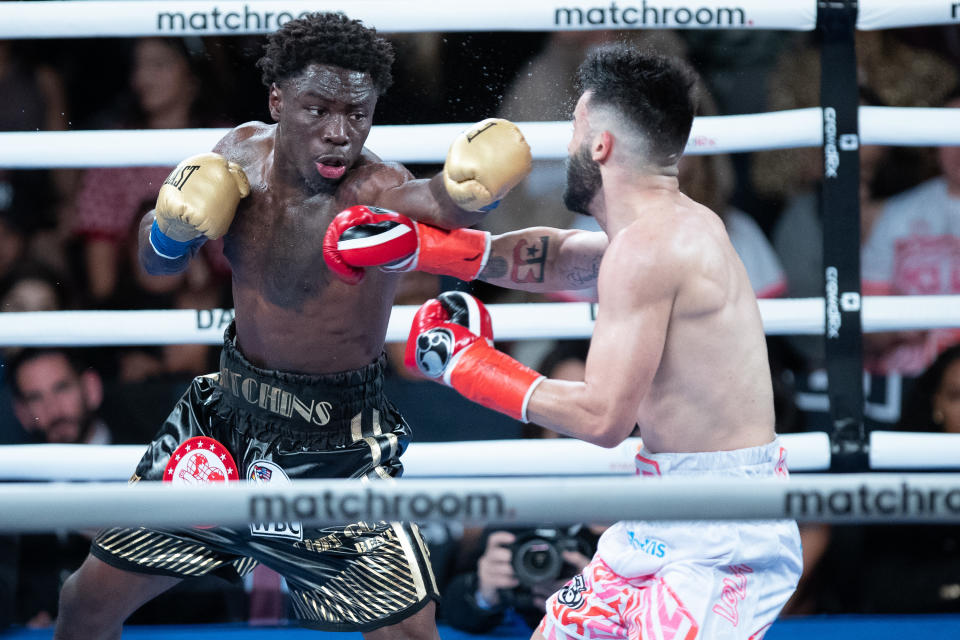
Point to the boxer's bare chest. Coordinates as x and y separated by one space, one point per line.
275 246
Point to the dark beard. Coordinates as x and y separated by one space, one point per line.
583 181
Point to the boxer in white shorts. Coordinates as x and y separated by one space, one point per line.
684 580
678 354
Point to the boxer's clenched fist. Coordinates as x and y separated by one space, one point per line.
200 197
485 162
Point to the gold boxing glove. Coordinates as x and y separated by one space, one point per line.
484 163
200 197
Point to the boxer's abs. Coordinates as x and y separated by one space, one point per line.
321 338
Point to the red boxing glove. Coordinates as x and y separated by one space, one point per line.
363 236
452 340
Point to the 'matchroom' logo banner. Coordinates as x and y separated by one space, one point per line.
119 18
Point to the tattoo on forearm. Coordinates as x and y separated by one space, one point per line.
496 268
584 276
529 261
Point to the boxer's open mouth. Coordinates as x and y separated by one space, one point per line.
331 167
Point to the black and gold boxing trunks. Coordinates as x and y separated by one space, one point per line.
270 426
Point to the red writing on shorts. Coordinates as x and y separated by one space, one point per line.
733 592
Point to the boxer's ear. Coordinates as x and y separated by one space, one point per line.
275 101
602 146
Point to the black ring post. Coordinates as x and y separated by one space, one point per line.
840 202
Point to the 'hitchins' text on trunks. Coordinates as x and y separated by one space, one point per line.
274 399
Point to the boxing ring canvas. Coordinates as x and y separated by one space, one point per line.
928 627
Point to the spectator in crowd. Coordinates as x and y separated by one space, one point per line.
34 99
165 81
914 249
934 403
798 234
793 178
56 398
32 286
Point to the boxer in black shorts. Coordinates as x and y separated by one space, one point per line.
328 571
298 394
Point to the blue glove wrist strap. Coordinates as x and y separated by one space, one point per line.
167 247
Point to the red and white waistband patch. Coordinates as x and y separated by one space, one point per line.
200 460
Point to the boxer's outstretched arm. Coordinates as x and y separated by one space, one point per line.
637 291
483 163
427 200
545 259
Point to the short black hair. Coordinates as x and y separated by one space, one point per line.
655 94
326 38
29 354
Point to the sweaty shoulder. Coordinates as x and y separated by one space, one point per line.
371 177
247 144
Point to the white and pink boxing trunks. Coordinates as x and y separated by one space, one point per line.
685 580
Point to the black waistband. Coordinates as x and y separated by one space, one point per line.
301 401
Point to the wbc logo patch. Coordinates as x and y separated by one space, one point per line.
265 472
200 460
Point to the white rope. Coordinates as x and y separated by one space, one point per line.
806 452
789 129
530 321
837 498
548 140
542 457
235 17
892 14
71 19
900 451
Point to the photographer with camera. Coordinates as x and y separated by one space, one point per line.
517 571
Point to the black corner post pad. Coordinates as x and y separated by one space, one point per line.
837 14
840 99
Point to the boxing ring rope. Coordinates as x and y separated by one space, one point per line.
848 498
788 129
807 452
234 17
557 320
98 19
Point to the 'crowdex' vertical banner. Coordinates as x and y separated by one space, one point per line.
840 205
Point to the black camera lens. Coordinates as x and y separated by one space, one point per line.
535 560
